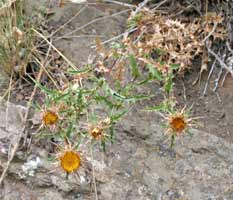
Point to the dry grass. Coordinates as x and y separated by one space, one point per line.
16 37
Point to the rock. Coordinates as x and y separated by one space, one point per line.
136 166
11 118
77 37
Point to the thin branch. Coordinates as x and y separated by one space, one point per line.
15 147
116 37
140 6
211 32
120 3
70 20
92 22
223 65
229 48
159 4
64 57
93 174
208 78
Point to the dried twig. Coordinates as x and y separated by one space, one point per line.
24 120
229 48
116 37
208 78
221 62
224 78
140 6
64 57
120 3
159 4
93 174
92 22
216 81
211 32
70 20
16 145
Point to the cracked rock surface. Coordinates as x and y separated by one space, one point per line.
198 167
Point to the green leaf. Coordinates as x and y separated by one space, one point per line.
168 85
139 97
81 71
108 102
103 145
134 66
156 74
69 130
147 80
113 93
60 97
161 107
116 117
175 66
43 88
111 134
172 141
78 144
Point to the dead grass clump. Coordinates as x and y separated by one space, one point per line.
16 37
162 41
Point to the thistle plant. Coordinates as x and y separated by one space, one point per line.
84 111
159 50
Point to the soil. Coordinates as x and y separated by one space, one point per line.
214 108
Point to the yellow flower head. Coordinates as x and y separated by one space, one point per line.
70 161
50 118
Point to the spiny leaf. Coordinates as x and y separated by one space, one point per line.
134 66
69 130
116 117
60 97
103 145
156 74
172 141
161 107
168 85
139 97
81 71
111 134
113 93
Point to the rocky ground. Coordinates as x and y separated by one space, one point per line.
139 165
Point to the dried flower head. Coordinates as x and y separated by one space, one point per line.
18 34
97 132
178 123
50 118
70 161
